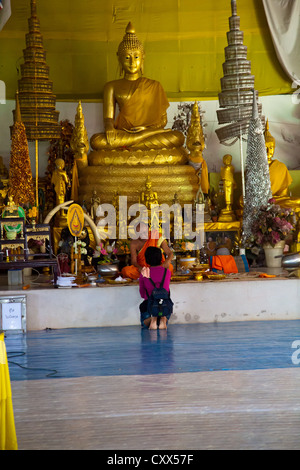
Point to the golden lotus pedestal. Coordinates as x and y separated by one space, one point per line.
125 172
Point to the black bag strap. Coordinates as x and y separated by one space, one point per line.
162 282
163 279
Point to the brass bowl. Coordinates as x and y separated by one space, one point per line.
198 277
108 270
187 262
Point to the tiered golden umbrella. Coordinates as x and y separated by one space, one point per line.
237 84
37 101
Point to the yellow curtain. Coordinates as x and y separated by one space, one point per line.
184 43
8 438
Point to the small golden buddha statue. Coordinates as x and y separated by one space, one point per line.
175 199
95 203
11 209
60 180
148 196
142 105
229 184
196 144
279 176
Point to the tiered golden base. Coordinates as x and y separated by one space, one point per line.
125 172
134 157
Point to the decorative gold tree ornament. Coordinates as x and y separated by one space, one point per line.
20 175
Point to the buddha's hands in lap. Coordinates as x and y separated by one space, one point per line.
111 135
152 130
135 130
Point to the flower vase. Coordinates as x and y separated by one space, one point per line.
271 252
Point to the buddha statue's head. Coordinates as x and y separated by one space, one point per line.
270 143
148 184
227 159
131 53
59 163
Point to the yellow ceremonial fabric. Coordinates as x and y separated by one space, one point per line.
146 106
184 45
8 438
280 178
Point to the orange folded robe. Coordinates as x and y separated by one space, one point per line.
225 263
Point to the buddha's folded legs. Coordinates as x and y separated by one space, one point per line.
147 139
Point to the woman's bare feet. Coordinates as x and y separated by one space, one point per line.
163 323
153 323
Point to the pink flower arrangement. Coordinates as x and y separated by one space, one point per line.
273 223
106 254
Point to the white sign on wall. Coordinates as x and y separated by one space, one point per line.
13 313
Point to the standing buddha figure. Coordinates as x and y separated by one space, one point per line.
142 105
60 180
195 143
229 185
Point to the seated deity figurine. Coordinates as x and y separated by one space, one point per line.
148 196
279 176
95 202
142 104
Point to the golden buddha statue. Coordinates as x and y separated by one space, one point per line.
196 144
142 105
280 181
61 181
229 184
95 203
279 176
11 209
135 143
148 196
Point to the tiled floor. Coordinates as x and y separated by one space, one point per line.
204 386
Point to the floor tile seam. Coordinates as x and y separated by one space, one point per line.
295 369
153 413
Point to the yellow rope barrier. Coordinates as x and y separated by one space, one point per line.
8 438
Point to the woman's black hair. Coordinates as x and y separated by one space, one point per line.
153 256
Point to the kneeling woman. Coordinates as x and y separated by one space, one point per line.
154 276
